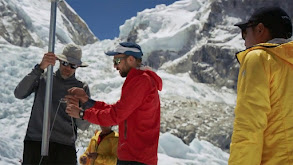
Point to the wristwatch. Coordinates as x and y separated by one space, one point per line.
81 113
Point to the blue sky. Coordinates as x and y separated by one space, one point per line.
105 16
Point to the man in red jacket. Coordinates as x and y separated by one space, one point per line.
137 112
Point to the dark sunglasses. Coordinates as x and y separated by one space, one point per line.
117 61
72 66
243 29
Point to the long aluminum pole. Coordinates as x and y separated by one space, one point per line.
49 83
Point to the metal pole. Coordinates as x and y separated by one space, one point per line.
49 83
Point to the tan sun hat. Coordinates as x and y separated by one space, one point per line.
72 54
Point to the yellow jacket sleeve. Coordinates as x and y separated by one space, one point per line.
108 148
253 105
91 148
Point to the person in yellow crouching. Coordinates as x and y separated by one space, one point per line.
102 149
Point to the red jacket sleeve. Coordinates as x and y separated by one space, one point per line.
133 93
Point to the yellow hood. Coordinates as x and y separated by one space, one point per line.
283 51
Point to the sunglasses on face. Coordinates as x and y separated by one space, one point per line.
117 61
244 29
72 66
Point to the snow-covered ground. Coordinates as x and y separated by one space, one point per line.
172 151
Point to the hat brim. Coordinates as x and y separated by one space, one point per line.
64 58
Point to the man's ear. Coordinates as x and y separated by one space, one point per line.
263 33
133 62
131 59
260 28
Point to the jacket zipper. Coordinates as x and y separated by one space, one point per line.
125 129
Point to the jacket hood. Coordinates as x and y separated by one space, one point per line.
276 46
157 79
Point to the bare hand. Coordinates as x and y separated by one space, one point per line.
48 59
73 110
78 93
83 160
70 99
92 155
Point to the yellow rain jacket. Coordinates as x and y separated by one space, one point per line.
107 149
263 125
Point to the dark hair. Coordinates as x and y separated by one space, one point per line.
279 31
138 60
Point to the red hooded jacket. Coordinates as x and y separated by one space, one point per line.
138 115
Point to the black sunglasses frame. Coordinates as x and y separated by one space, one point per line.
72 66
243 29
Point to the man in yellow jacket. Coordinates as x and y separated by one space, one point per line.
102 149
263 125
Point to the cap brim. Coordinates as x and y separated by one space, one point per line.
241 25
128 49
111 53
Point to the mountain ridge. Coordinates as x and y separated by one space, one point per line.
18 24
209 32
